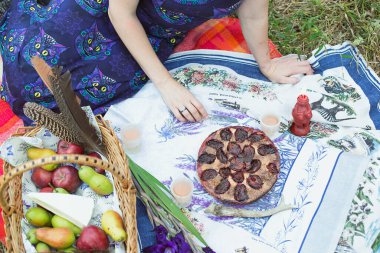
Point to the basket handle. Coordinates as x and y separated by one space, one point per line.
57 159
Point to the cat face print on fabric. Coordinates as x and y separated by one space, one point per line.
37 92
97 88
11 44
92 45
45 46
5 93
37 12
96 8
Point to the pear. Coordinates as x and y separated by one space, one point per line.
112 224
42 248
31 236
59 238
60 190
38 217
97 182
36 153
70 250
59 222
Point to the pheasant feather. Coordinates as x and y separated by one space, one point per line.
72 114
50 120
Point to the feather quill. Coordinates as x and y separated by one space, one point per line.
50 120
75 118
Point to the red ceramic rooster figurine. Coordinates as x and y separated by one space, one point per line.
301 116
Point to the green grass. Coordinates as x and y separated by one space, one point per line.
2 249
302 26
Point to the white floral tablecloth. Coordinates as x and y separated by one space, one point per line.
319 174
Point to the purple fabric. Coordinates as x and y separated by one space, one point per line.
78 35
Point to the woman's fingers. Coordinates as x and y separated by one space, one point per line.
187 114
194 112
177 114
200 108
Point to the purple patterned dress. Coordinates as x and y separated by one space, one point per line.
78 35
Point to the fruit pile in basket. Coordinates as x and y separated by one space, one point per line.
56 225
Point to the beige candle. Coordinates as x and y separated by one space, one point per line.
131 136
182 190
270 120
270 124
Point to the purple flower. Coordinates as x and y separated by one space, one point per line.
176 244
161 234
181 243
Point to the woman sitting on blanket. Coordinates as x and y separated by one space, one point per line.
113 48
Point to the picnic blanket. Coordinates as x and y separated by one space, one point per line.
223 34
336 207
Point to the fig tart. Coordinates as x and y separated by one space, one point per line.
238 164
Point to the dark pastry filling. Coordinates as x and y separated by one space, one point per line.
209 174
247 154
241 135
215 144
272 167
206 158
254 166
238 177
234 148
224 172
255 137
255 182
225 134
240 193
236 165
266 149
223 186
222 157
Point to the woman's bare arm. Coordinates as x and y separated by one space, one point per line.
253 15
123 16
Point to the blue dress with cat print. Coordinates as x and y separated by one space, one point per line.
78 35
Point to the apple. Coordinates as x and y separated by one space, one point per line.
47 189
92 238
41 178
65 147
97 170
66 177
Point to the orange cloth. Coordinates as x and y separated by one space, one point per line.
220 34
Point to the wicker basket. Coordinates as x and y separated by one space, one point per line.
11 186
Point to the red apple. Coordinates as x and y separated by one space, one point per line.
41 178
66 177
98 170
92 238
65 147
47 189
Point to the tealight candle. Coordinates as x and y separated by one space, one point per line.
270 123
131 136
182 190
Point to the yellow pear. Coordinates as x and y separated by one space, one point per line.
59 238
37 153
112 224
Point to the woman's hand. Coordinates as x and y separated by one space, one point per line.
281 70
181 102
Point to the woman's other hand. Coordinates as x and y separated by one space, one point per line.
283 69
181 101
